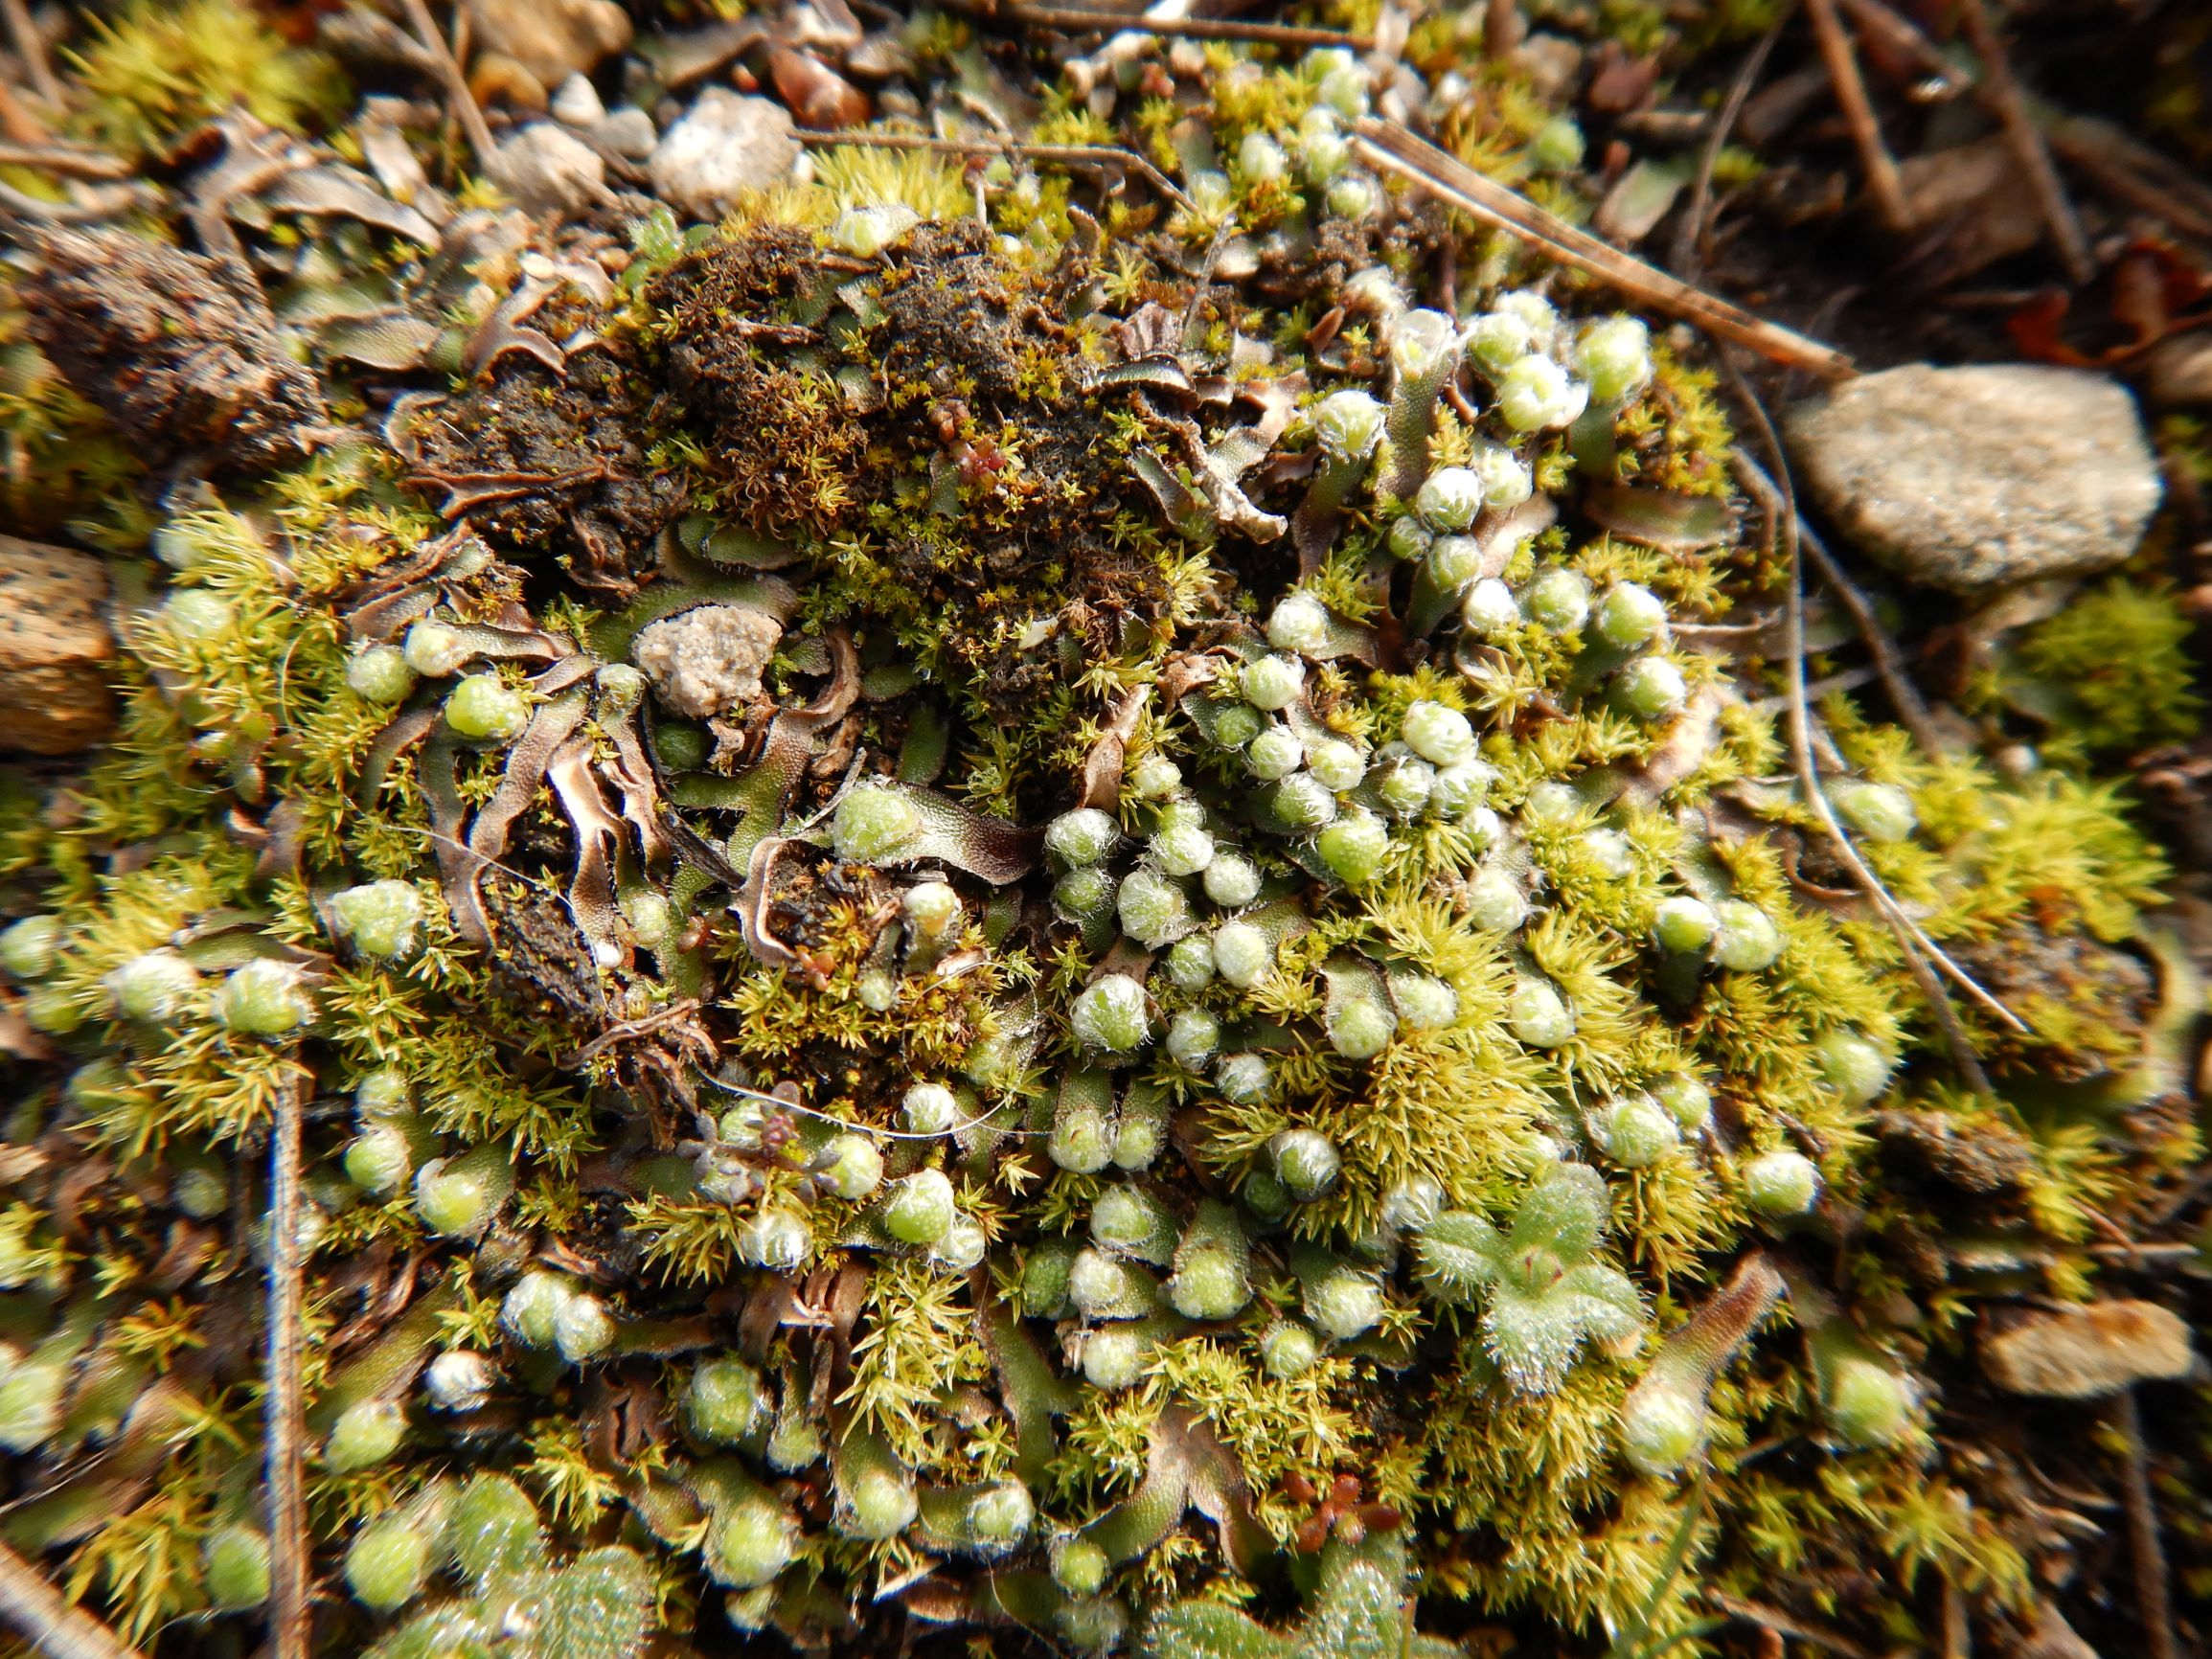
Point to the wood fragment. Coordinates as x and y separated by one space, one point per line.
35 1611
1687 253
2028 146
1882 179
287 1507
31 47
1452 181
1903 35
1066 154
2154 1603
1087 20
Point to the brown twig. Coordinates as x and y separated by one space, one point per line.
68 163
2153 1606
31 46
1911 708
1783 1624
1902 34
1085 20
463 101
1882 180
2027 144
35 1611
287 1507
1687 253
1066 154
1452 180
2134 173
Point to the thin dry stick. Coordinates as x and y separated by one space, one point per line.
1686 255
31 47
472 117
2027 144
1452 180
37 1611
1904 36
2153 1606
1083 20
2137 176
1882 180
280 1394
1066 154
1911 707
1783 1624
68 163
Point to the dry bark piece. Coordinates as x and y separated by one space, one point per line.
2084 1352
181 351
55 647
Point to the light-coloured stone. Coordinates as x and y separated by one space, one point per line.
2082 1352
2178 370
552 40
548 169
54 647
576 102
1978 478
629 132
707 661
724 145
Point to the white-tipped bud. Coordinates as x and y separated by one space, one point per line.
1535 395
1300 624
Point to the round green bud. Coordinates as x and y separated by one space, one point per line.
1557 599
1259 159
876 989
1306 1161
1264 1197
1550 802
1661 1428
154 986
27 947
381 674
1348 425
1112 1358
754 1544
1635 1132
1557 145
483 709
1495 901
1274 682
1275 752
366 1434
1335 763
875 823
1152 909
1242 953
1610 851
1210 1284
651 919
1246 1079
1192 1036
931 909
1539 1016
193 613
1498 340
1410 538
1426 1004
529 1307
382 1093
1421 342
1627 615
1155 777
435 651
1779 1183
1232 881
795 1443
1453 561
1748 941
1855 1067
583 1328
1355 846
1179 813
1650 689
620 689
1191 957
1080 1567
1615 357
723 1400
31 1397
1301 802
1458 790
1506 479
849 1167
381 919
742 1125
864 232
1360 1028
459 1380
1237 724
1081 895
1287 1349
388 1562
920 1208
1344 1303
1411 1204
1448 500
1686 1101
961 1248
1137 1142
1081 837
1682 925
1326 155
235 1568
997 1520
777 1239
1122 1218
1867 1404
1404 783
1299 624
452 1203
200 1191
378 1160
1535 395
1082 1141
928 1109
1876 811
263 998
1183 849
1439 735
1110 1013
875 1504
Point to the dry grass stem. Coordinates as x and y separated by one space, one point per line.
37 1611
2027 144
1882 179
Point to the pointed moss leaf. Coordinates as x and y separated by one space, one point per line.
1212 1630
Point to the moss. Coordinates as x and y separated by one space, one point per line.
153 74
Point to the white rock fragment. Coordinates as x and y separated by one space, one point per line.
707 661
724 145
576 102
2082 1352
548 169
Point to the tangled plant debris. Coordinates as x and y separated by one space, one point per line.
1055 895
